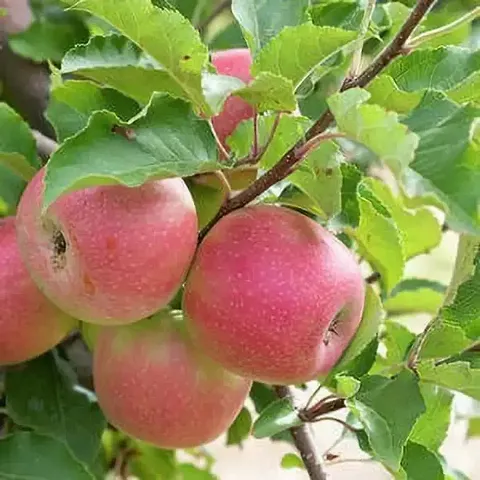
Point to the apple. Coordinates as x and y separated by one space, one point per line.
29 323
109 254
154 384
235 62
273 296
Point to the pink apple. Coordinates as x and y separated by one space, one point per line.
109 254
235 63
273 296
29 323
154 384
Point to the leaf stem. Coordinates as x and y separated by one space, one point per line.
255 136
444 30
314 142
223 152
362 33
304 442
223 5
284 167
227 189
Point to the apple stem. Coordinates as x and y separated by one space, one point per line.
284 167
304 443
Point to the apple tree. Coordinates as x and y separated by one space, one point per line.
208 213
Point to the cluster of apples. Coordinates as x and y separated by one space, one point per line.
269 295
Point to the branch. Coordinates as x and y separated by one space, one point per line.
304 443
284 167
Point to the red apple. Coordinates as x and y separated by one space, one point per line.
109 254
273 296
235 63
154 384
29 323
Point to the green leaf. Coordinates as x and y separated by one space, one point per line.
452 173
376 405
31 456
151 462
385 92
188 471
431 428
117 62
442 69
17 146
166 140
291 460
296 51
163 34
473 427
421 232
397 340
72 103
269 92
319 177
240 428
42 397
379 240
444 340
217 88
419 463
351 178
262 21
346 387
349 15
53 32
372 317
464 311
277 417
415 295
458 376
379 130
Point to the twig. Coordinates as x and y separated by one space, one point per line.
314 142
322 407
45 145
338 420
252 159
284 167
215 12
444 30
255 136
362 33
304 443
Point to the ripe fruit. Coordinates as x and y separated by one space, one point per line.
235 62
154 384
109 254
29 324
273 296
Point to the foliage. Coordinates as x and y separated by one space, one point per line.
131 98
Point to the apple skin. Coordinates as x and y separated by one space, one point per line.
109 254
235 62
29 323
264 289
154 384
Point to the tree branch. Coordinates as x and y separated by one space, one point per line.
304 443
284 167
